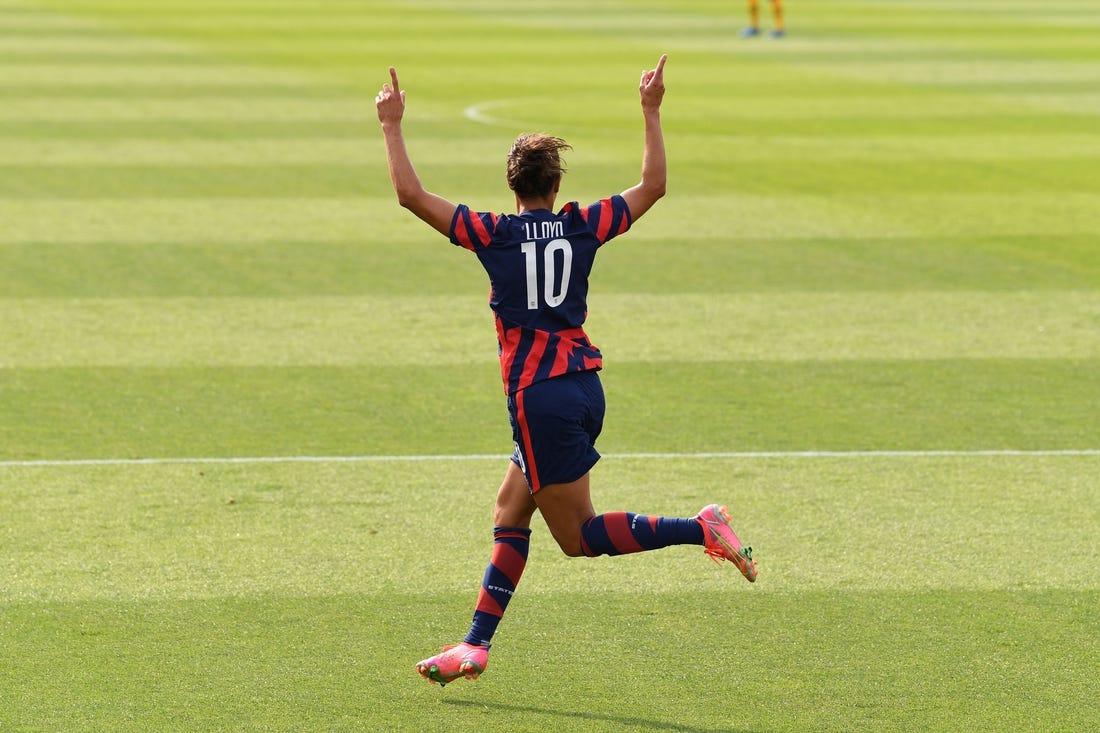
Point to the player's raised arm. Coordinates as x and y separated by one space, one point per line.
435 210
641 197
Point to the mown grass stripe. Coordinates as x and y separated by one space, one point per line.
949 73
88 46
929 151
506 110
359 267
170 130
744 218
239 176
209 108
444 124
654 407
391 330
200 70
117 91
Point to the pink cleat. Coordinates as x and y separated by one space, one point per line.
722 543
457 660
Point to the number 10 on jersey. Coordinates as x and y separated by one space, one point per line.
554 287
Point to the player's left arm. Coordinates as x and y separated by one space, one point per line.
641 197
432 208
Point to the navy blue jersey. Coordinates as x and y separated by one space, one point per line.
538 264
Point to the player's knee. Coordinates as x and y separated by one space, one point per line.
571 547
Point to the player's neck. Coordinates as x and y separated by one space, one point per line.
534 204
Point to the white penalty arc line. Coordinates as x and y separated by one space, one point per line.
480 112
501 456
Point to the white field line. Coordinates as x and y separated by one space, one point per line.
498 457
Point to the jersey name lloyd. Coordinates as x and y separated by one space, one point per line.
543 229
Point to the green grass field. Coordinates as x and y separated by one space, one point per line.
250 416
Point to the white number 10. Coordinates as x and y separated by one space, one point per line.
552 296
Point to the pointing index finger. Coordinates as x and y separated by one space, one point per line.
393 80
660 65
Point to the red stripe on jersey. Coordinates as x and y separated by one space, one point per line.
534 358
604 227
575 334
528 450
509 342
624 224
561 359
462 235
570 338
618 531
480 231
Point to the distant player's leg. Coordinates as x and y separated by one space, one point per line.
753 28
511 540
778 29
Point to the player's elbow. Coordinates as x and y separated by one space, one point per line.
412 198
654 190
406 198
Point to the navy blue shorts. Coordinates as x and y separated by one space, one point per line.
555 424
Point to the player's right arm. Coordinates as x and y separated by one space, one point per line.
641 197
433 209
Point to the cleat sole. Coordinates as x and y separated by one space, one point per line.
470 670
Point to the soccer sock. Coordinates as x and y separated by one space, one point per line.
777 13
506 564
620 533
754 13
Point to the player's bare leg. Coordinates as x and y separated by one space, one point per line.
566 507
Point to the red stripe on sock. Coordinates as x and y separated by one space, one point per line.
512 534
487 604
508 561
617 526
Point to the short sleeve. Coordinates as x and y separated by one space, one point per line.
472 230
607 218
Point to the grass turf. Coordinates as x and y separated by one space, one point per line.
227 597
880 235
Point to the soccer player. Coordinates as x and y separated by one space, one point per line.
538 263
753 28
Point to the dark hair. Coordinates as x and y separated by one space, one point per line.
534 165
